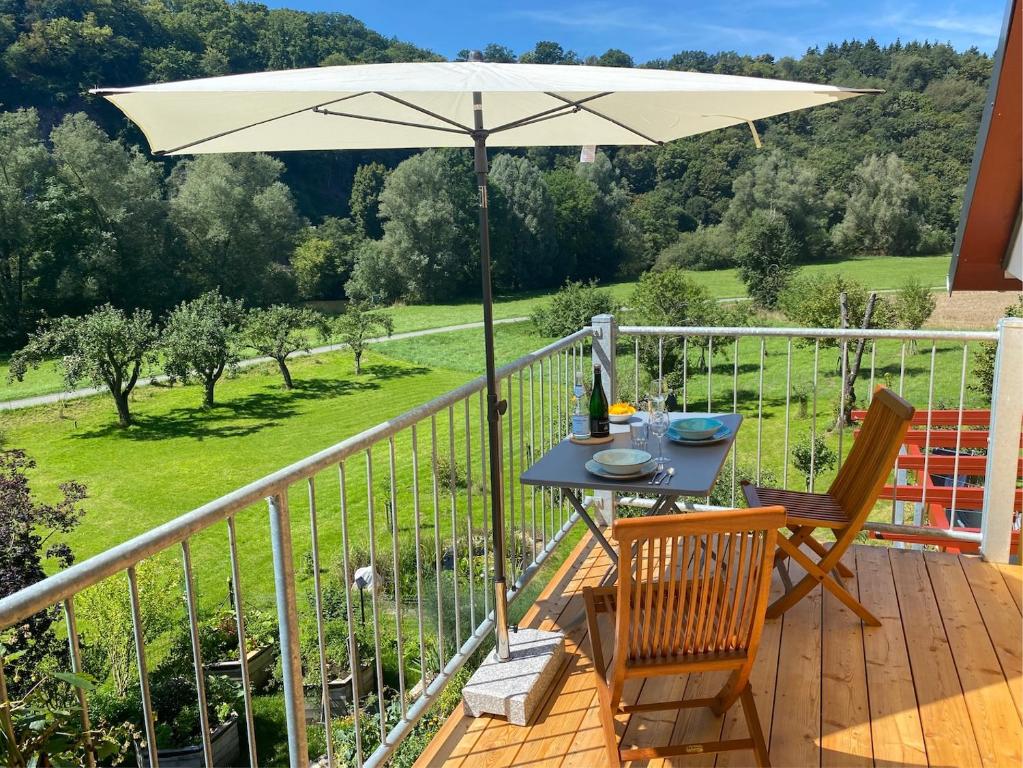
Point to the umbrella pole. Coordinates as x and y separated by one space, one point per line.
495 406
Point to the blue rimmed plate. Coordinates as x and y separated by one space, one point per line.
722 434
595 469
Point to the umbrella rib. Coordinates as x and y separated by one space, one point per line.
314 108
595 113
423 110
389 121
569 108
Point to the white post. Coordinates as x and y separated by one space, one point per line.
605 339
1003 443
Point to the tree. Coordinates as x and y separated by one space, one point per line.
765 250
814 301
811 458
364 202
914 303
323 260
27 530
239 222
278 331
572 308
705 248
357 325
106 347
201 340
883 212
522 226
659 217
672 298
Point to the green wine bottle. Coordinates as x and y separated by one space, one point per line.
599 424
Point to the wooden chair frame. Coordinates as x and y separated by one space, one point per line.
679 623
844 508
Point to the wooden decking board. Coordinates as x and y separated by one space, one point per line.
845 710
943 714
913 694
795 728
992 711
896 734
1002 620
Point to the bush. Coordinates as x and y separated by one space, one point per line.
914 303
818 453
812 301
984 358
765 251
705 248
721 495
572 308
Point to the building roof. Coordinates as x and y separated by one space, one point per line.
987 252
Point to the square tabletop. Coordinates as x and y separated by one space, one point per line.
696 466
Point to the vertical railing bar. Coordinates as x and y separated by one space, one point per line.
355 664
898 516
510 542
660 364
543 450
193 632
533 458
959 437
841 396
471 547
710 372
788 415
522 464
873 356
636 367
483 504
399 611
735 409
685 374
371 517
140 657
562 373
6 725
813 423
453 493
75 651
321 640
243 657
417 514
760 407
927 440
442 661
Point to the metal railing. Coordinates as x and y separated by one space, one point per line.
741 369
424 469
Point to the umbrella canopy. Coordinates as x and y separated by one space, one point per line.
430 104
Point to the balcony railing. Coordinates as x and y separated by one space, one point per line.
411 494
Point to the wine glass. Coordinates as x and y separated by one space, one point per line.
659 422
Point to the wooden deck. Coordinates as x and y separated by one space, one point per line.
938 684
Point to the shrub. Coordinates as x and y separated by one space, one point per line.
984 357
812 301
721 495
572 308
702 249
914 303
816 452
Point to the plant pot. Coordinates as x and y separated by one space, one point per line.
340 692
261 663
224 740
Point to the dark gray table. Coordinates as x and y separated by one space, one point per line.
696 470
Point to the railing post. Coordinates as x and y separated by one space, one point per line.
1003 442
287 618
605 341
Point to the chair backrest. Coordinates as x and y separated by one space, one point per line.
694 584
862 475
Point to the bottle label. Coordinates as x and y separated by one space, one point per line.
600 427
580 425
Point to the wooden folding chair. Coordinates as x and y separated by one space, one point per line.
843 509
691 595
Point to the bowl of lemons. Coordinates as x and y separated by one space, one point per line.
620 413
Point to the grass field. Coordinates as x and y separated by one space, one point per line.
881 273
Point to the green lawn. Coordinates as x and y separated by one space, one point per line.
877 272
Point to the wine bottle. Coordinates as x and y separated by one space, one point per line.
599 424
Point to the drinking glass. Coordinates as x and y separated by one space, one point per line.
640 433
659 422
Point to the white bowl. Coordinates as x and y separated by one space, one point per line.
620 418
696 428
621 461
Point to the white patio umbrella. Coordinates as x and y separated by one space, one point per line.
459 104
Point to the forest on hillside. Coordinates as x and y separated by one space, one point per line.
87 216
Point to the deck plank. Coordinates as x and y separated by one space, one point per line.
992 712
1002 619
896 734
930 608
943 714
845 711
796 725
1013 575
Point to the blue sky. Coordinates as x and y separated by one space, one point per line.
649 29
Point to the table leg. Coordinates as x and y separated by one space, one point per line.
573 499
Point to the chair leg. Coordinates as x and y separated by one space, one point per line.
749 711
821 550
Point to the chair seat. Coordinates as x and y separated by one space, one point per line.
816 509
